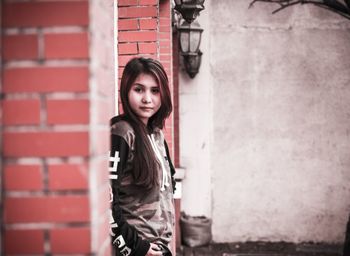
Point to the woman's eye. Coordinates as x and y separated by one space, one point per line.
138 89
155 90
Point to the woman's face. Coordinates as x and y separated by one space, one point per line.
144 97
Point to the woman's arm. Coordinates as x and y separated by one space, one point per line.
124 236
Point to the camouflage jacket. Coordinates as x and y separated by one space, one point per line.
138 216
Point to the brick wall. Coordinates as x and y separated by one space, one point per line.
58 97
144 29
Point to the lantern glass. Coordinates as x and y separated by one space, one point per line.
190 37
185 41
195 38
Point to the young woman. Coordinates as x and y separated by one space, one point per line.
141 172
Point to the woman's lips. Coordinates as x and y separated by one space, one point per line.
146 108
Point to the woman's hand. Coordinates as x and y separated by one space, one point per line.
154 250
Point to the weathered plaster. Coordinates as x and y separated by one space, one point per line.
278 124
196 131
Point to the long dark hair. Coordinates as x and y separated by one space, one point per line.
145 165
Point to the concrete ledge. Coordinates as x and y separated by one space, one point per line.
262 249
180 173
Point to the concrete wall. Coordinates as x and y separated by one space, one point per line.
277 123
196 130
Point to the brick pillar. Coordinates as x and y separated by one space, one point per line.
165 56
144 29
102 108
57 85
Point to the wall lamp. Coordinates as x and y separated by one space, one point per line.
189 9
190 33
190 38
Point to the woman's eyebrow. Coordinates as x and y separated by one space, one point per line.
138 84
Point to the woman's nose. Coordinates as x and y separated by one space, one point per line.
146 98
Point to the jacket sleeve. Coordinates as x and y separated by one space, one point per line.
125 237
172 168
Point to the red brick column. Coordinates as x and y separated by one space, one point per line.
144 29
56 84
102 108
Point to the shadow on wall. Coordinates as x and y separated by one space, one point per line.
347 239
